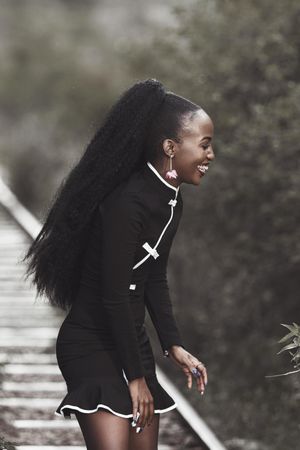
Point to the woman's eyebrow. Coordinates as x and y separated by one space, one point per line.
206 137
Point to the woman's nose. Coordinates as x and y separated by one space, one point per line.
210 154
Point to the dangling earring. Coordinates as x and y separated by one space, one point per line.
171 173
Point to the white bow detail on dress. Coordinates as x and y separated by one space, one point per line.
172 202
150 250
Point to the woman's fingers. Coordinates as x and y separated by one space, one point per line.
142 414
202 369
196 369
190 380
146 409
151 407
143 408
199 371
146 414
135 411
188 374
200 384
151 412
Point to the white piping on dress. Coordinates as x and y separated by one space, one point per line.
161 178
124 376
89 411
152 251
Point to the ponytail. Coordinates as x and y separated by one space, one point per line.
117 149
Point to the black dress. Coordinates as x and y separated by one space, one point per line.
103 343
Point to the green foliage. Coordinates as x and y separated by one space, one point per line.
237 258
240 62
294 334
6 445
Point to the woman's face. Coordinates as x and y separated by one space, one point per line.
194 153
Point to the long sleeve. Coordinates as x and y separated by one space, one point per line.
159 306
123 220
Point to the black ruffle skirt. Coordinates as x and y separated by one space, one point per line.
94 377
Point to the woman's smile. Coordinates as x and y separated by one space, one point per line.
202 169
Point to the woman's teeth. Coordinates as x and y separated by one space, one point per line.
202 168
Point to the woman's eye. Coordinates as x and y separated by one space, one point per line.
205 146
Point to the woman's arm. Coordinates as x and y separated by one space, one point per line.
160 309
159 306
123 219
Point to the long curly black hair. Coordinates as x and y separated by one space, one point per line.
131 134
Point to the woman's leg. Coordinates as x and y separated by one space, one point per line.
103 430
147 439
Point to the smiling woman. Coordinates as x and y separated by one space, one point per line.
103 253
191 151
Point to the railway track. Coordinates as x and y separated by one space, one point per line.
31 384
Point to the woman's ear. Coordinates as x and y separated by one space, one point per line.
168 147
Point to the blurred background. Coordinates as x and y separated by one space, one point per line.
234 266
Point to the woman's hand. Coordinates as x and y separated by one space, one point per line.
142 401
191 366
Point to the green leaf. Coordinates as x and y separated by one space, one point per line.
298 328
286 337
290 327
288 347
296 355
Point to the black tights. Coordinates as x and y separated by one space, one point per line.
104 430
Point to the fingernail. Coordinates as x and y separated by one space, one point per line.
133 423
139 429
202 392
135 418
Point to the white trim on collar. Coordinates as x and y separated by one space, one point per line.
176 189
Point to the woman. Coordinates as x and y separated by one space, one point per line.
102 255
